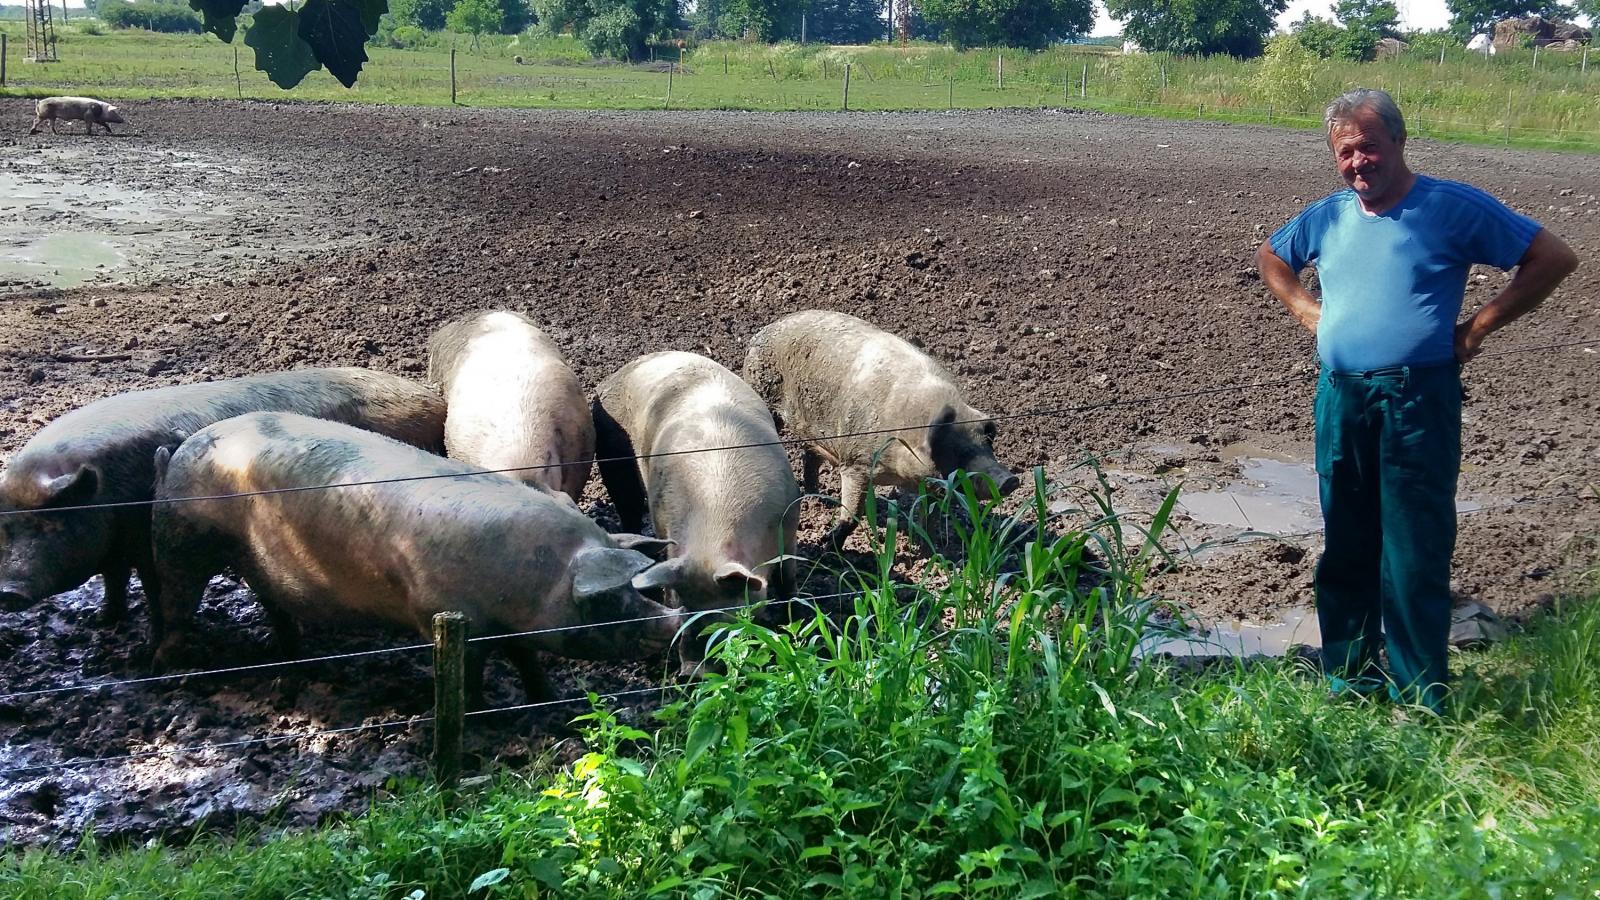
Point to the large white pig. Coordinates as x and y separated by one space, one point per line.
730 513
103 452
510 557
878 409
513 401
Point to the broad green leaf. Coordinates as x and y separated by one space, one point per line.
336 32
279 51
221 16
488 879
702 735
665 884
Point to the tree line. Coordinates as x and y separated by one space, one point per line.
291 41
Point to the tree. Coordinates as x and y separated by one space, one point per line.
769 21
620 29
1034 24
1316 34
844 21
425 14
1470 17
474 17
1234 27
1381 17
516 16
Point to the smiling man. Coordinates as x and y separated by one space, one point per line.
1392 254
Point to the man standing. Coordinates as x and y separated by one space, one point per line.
1392 255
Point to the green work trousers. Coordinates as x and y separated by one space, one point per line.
1388 454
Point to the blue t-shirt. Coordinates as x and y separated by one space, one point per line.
1392 284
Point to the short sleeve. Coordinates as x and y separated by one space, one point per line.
1296 242
1490 232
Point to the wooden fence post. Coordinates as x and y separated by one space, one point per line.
238 86
3 52
669 86
846 87
1083 83
449 696
1000 71
452 76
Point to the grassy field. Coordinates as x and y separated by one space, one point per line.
993 737
1504 99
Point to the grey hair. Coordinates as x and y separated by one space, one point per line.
1351 102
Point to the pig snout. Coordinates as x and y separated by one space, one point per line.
997 481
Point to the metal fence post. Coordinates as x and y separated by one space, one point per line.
846 87
449 696
3 52
452 76
669 85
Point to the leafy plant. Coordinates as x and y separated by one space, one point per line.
150 16
1287 78
475 17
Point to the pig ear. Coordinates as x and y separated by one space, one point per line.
73 488
734 578
660 577
655 548
944 419
603 569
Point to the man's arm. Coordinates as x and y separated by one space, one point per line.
1284 283
1546 262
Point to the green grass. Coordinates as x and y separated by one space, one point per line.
991 736
1503 99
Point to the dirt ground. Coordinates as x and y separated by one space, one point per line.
1055 260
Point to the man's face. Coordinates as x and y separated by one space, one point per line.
1369 160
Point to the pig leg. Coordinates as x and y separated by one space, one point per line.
620 474
810 468
853 488
525 657
285 630
36 123
477 658
115 606
180 599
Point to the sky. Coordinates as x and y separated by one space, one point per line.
1414 14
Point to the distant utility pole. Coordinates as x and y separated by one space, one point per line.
802 28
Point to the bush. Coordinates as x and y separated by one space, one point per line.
151 17
398 34
89 26
1288 74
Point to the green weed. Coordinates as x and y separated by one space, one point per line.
987 731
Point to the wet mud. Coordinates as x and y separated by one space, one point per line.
1064 262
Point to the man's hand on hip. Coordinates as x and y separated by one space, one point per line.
1469 341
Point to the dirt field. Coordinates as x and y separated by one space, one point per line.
1051 259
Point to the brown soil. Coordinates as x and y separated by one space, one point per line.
1052 259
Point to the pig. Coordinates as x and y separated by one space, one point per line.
828 376
511 558
103 453
91 112
512 401
729 513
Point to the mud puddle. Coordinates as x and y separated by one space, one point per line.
102 215
1240 639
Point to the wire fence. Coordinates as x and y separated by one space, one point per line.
1053 412
1546 100
1242 538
